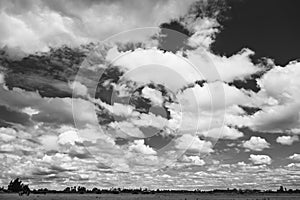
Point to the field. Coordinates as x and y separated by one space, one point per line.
148 197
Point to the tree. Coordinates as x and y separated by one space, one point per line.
96 191
67 189
81 190
280 189
15 185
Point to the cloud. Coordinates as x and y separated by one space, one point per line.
256 144
69 136
154 95
193 144
138 146
126 129
237 67
2 80
260 159
78 89
153 65
43 24
11 116
295 157
203 31
224 132
279 100
7 134
50 142
213 96
287 140
227 69
194 160
49 110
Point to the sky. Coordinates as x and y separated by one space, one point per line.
159 94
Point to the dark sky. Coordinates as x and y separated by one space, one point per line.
269 27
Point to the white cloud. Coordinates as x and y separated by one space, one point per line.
295 166
154 95
68 136
276 118
236 67
193 144
153 65
279 100
45 23
126 129
260 159
227 69
256 144
150 120
295 157
204 29
138 146
195 160
30 111
2 78
7 134
78 88
50 142
287 140
223 133
213 96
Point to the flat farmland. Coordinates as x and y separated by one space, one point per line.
149 197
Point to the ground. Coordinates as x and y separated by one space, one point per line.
148 197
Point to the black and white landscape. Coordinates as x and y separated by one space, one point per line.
180 95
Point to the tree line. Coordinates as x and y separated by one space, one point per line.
17 186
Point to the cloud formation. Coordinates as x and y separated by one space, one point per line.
256 144
42 24
287 140
260 159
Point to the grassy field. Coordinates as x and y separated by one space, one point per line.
147 197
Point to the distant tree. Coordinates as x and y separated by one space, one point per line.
67 189
96 190
280 189
73 189
25 190
15 185
81 190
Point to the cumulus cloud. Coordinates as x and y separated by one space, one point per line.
2 78
154 95
227 69
126 129
279 100
138 146
204 29
78 89
260 159
223 133
44 23
7 134
193 144
69 136
287 140
50 142
237 67
295 157
194 160
256 144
